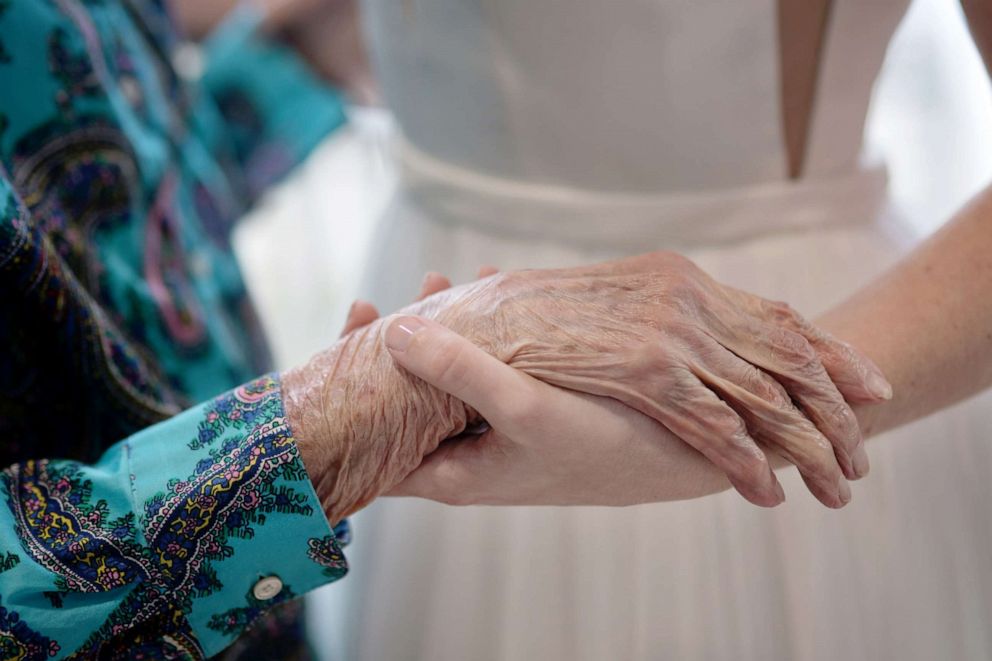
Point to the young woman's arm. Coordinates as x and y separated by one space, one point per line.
927 322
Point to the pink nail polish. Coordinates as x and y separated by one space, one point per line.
401 332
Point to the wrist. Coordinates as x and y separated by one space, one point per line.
321 447
361 423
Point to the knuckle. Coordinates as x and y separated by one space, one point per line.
736 441
753 469
659 356
826 404
735 431
822 463
844 420
795 349
784 314
685 329
767 388
840 413
779 311
775 394
681 388
683 289
849 359
749 462
651 358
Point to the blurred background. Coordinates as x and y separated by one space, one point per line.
929 121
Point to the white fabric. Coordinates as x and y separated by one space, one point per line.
543 133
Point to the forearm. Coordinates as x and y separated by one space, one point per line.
197 18
165 538
928 321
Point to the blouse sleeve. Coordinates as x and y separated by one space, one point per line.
175 541
274 109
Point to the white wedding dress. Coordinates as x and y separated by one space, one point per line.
541 133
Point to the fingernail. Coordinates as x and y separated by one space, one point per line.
879 386
780 492
844 490
860 461
401 331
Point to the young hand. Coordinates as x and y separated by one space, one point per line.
544 445
731 374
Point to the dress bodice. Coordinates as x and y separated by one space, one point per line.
631 96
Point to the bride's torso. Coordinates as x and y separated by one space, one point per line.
633 96
542 133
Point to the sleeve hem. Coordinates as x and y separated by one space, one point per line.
246 513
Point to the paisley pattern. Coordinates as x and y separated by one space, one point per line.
326 552
67 534
248 469
8 561
239 618
78 177
18 642
123 306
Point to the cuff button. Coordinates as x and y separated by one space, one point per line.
267 587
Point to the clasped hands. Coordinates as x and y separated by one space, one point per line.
626 382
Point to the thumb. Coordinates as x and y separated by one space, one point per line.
502 395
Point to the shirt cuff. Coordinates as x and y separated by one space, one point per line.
276 109
244 529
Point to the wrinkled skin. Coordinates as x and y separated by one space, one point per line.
719 368
729 373
545 446
361 423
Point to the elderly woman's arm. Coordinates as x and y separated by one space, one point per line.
182 535
185 533
168 541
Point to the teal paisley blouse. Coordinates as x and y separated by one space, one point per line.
153 503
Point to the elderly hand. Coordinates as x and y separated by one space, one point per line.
546 446
728 372
361 423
